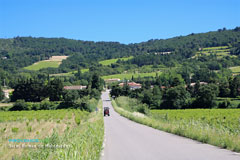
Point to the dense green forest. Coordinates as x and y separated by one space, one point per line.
23 51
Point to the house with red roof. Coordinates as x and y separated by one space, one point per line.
132 85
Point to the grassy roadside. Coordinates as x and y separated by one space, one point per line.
195 130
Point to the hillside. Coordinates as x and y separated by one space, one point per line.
20 53
23 51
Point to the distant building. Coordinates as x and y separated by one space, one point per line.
201 83
132 85
74 87
7 92
112 80
163 87
162 53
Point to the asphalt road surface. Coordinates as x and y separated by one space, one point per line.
127 140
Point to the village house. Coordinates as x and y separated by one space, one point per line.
74 87
7 93
132 85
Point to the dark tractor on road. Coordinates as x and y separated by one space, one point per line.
106 111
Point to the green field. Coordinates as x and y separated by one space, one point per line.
235 69
69 74
129 75
80 132
220 51
216 48
218 127
110 61
52 62
219 119
43 64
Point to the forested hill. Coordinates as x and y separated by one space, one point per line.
23 51
184 44
19 52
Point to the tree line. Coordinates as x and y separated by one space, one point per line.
33 90
179 95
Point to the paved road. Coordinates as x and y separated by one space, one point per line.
127 140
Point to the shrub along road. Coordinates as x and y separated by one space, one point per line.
127 140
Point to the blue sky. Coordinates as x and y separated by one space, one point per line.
125 21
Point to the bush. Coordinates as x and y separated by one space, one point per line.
14 130
143 109
35 106
29 129
86 104
20 105
46 105
92 104
95 93
238 106
225 104
132 105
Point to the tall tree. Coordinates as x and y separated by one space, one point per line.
79 74
116 91
147 97
96 82
177 98
156 99
30 91
1 94
235 86
55 90
206 97
125 89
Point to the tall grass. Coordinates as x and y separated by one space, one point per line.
132 105
82 138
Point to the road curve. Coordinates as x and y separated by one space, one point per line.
127 140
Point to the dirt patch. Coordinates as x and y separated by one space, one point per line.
57 58
6 104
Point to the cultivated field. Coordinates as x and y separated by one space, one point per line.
69 74
53 62
220 51
61 134
111 61
220 127
235 70
129 75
